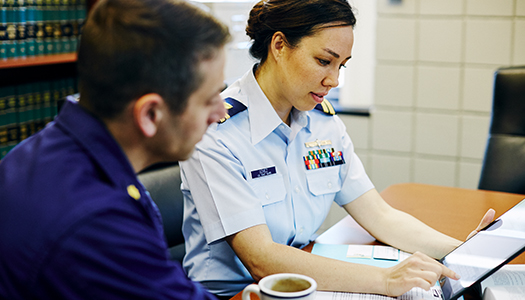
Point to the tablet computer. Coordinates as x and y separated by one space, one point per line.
485 252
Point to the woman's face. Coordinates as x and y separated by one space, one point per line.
308 71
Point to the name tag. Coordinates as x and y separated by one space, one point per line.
263 172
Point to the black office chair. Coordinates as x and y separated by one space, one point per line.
503 166
163 183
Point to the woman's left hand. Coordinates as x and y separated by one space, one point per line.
487 218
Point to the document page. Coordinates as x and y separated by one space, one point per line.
505 292
507 275
379 256
413 294
508 283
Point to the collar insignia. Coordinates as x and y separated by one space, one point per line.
133 192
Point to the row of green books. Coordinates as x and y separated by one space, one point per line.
40 27
27 108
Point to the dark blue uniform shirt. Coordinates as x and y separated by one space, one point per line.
75 223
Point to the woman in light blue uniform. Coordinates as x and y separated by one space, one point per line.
261 182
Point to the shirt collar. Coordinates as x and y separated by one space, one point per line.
91 133
301 118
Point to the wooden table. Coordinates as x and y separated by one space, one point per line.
453 211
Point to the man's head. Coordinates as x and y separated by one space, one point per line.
157 64
130 48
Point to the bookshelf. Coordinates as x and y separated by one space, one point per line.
43 63
30 86
38 61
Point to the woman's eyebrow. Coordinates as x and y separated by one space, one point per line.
334 54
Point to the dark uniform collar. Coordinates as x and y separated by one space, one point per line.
94 137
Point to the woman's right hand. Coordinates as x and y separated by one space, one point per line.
419 270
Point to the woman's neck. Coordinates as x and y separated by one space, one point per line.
269 84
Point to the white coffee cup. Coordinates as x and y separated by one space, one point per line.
282 286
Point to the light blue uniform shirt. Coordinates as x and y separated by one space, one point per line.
250 170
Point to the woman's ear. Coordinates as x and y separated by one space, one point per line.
278 44
147 113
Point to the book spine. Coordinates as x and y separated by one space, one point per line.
81 11
40 48
57 92
21 108
39 117
71 86
3 122
30 100
72 22
12 122
3 30
47 110
48 27
11 29
20 10
31 28
57 31
66 29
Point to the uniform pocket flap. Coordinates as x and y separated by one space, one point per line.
269 189
323 181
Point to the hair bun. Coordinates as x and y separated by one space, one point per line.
295 19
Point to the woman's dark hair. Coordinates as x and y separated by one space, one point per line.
295 19
130 48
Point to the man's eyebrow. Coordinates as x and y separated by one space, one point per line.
334 54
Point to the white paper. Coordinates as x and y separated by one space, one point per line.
403 255
386 252
413 294
508 283
504 293
507 275
359 251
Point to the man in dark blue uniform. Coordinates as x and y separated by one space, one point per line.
75 223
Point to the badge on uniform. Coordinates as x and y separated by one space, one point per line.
318 143
263 172
323 158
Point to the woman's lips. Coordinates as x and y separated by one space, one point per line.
318 97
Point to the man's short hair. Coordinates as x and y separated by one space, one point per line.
130 48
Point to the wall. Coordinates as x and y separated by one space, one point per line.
357 87
234 14
435 61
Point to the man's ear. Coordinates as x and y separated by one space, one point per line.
147 113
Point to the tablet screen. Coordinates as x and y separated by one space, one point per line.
486 252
